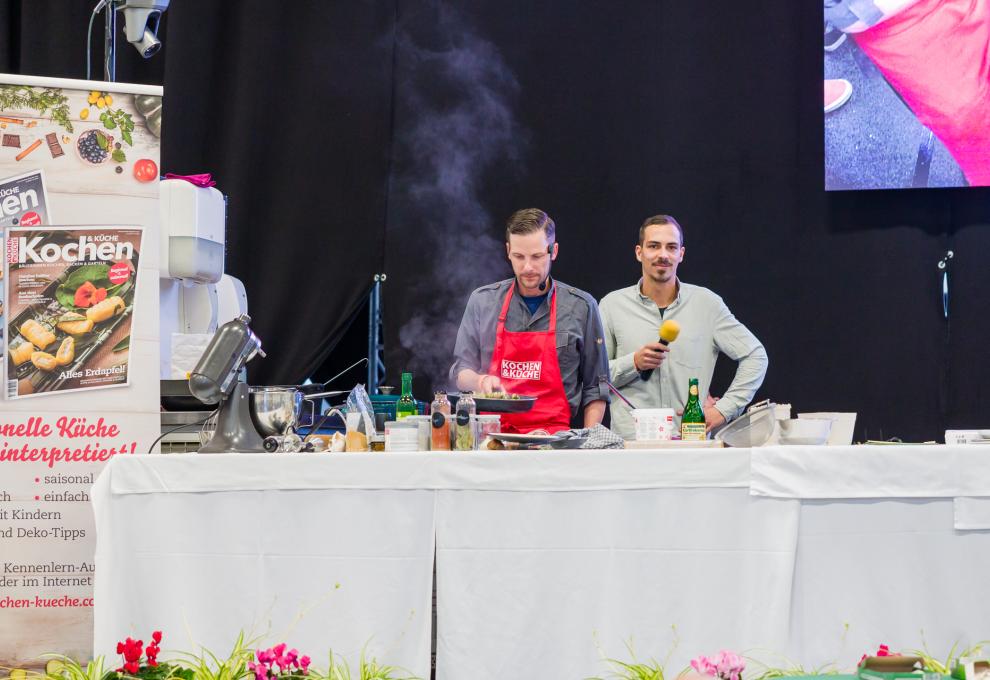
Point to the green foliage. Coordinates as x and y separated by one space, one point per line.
208 666
94 273
63 668
113 119
934 665
634 669
44 100
368 669
758 670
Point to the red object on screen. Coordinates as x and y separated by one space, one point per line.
935 54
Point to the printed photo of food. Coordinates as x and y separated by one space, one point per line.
70 295
85 140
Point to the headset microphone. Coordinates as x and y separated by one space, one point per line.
543 283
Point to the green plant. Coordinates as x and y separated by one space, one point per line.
634 669
764 671
934 665
42 100
208 666
61 667
118 118
368 669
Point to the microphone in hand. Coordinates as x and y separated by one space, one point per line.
669 330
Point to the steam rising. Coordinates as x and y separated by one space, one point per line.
450 142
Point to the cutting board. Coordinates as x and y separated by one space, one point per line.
673 444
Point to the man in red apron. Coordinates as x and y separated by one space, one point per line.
534 336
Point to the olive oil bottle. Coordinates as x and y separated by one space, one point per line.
406 406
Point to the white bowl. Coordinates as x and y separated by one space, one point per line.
805 431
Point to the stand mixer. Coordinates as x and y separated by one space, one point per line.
217 377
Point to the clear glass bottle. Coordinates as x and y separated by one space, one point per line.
440 421
465 437
406 406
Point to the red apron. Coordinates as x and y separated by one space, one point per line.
526 363
934 53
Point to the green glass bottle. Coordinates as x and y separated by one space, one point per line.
406 406
693 420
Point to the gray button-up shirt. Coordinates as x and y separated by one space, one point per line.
580 338
707 328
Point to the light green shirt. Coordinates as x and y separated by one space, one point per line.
632 320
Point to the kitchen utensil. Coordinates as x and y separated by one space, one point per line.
620 395
216 378
753 428
514 405
806 431
276 411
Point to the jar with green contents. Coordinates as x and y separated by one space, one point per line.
464 420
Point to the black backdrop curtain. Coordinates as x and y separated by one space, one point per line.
289 106
358 137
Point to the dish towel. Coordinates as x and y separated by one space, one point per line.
598 437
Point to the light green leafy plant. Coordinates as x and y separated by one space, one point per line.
934 665
760 670
61 667
368 669
633 669
208 666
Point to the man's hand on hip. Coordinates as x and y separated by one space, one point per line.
713 417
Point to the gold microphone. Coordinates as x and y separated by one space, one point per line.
669 330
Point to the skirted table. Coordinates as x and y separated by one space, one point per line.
547 562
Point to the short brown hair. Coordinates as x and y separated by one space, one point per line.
659 220
530 220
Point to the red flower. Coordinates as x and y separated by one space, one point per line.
157 637
132 667
120 647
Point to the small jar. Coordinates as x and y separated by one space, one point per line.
486 425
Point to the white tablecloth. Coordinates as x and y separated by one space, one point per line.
545 561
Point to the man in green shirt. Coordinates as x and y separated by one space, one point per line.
632 317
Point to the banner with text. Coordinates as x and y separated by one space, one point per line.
78 339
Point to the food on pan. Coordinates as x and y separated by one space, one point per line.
500 395
74 324
21 353
37 334
43 361
66 352
102 311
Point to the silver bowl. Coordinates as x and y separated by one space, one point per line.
274 410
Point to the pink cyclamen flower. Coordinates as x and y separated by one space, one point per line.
729 665
703 665
304 663
260 670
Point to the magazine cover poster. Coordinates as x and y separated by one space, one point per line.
70 305
24 201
